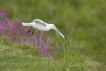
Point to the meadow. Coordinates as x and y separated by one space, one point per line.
81 21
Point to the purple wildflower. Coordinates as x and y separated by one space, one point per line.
1 28
1 13
17 40
15 31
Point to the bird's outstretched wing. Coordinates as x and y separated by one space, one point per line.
60 34
38 21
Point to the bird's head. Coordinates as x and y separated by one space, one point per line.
52 26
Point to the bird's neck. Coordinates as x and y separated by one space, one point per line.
48 26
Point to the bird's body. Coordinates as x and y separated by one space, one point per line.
38 25
42 26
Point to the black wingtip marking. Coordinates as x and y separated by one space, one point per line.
65 37
44 25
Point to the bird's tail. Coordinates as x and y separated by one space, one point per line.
27 24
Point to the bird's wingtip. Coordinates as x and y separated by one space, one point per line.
65 37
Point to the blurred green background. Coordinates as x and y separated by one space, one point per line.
79 20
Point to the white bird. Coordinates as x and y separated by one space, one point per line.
42 26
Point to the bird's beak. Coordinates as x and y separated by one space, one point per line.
60 33
55 28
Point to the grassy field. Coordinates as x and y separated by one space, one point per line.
14 57
82 21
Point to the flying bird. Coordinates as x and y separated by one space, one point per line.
42 26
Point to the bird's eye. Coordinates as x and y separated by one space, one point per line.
53 26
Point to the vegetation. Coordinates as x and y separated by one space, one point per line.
14 57
82 21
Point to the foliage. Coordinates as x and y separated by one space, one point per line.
14 58
79 20
15 31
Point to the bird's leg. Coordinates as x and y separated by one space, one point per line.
30 30
33 31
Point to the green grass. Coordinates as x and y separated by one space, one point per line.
79 20
14 57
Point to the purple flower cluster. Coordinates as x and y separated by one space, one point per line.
15 32
1 28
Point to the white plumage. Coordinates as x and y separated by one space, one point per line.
26 24
42 26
